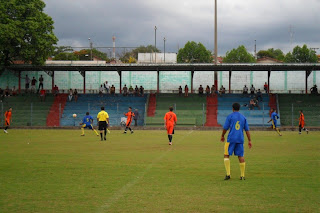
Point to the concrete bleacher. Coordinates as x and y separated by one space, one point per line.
291 104
254 117
115 106
27 110
190 110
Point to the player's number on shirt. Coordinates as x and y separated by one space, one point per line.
88 120
237 125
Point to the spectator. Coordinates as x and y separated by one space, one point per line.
314 90
136 117
186 91
251 104
7 92
259 95
200 90
266 87
208 91
42 95
131 90
33 85
75 95
136 91
141 91
222 90
213 90
70 96
13 91
112 90
245 90
101 89
256 103
107 87
55 90
180 91
252 90
27 83
40 82
125 90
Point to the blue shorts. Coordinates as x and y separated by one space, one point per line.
87 126
234 148
274 124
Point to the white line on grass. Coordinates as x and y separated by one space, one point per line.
121 192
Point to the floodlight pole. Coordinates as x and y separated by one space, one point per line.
90 48
215 43
164 49
155 44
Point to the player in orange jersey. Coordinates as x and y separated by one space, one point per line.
7 119
130 116
170 120
302 123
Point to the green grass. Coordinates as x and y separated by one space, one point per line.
59 171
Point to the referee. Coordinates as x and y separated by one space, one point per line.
103 120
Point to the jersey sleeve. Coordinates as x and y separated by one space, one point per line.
165 117
175 118
91 118
107 115
227 124
132 114
98 116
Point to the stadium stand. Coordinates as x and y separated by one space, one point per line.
115 106
28 110
212 111
254 117
291 104
190 110
56 110
152 105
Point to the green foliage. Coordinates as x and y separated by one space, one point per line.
239 55
301 55
271 53
85 54
26 32
194 53
125 57
64 56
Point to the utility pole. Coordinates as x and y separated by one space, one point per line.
155 44
90 48
215 43
255 49
164 48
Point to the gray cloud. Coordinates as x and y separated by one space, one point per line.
240 22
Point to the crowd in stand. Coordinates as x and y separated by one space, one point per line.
107 89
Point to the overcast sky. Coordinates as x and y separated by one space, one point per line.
239 23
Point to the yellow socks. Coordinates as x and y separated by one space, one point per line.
227 165
82 130
95 131
242 168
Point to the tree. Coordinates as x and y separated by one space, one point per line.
193 52
125 56
26 32
64 56
271 53
239 55
301 55
85 54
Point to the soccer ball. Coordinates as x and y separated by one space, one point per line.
74 115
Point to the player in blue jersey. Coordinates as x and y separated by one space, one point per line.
274 117
87 123
236 123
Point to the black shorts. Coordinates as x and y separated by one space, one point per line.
103 125
27 86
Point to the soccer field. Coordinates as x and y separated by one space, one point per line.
59 171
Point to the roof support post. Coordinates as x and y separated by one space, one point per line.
84 82
269 74
158 80
308 72
230 74
120 75
52 81
192 74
